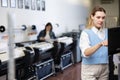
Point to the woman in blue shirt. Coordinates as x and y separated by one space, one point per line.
47 33
93 44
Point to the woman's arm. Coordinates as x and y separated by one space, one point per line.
85 47
52 35
91 50
40 37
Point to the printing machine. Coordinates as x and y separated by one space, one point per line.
32 61
43 64
42 51
4 57
63 56
76 49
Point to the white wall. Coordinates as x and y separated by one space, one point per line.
68 15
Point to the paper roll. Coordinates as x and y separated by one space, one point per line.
23 27
2 28
33 27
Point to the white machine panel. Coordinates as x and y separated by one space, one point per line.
42 45
66 40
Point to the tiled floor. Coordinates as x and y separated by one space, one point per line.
70 73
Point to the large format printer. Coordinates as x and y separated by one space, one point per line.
62 55
42 50
42 65
75 48
4 57
32 61
38 61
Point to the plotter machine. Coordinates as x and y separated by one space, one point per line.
32 61
4 57
42 64
62 54
38 61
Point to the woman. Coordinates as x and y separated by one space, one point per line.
47 33
93 44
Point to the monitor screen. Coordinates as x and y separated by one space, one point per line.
114 40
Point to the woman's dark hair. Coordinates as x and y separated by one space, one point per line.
48 24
